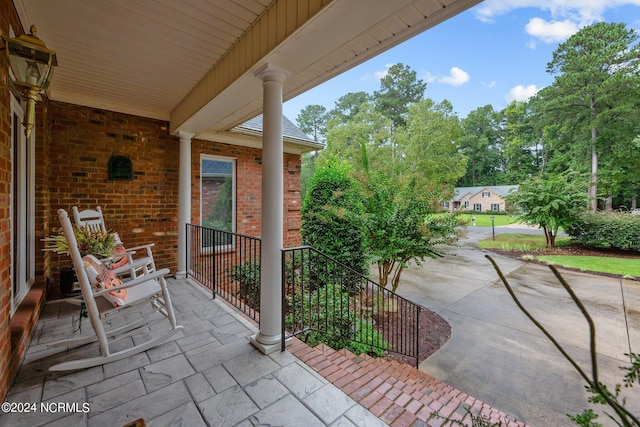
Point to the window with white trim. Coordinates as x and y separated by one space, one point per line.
486 194
217 194
495 207
477 207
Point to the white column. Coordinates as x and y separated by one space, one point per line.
184 200
268 339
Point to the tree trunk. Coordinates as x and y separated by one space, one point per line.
593 187
609 204
396 278
384 269
634 201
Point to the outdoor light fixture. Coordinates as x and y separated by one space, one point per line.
32 66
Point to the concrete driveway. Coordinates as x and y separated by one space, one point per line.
497 355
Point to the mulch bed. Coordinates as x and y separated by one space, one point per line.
434 333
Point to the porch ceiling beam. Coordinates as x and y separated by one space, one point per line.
233 75
303 39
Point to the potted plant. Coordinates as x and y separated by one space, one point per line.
90 242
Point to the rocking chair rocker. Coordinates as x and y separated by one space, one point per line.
109 296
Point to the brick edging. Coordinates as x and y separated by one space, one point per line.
398 394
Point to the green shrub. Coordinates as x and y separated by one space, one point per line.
328 313
247 275
607 230
331 216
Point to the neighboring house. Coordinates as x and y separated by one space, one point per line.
171 86
480 199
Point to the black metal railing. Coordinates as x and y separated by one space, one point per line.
326 301
228 264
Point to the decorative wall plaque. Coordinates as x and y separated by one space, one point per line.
120 168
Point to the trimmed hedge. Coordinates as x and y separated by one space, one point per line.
607 230
332 214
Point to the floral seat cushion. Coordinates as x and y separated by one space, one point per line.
99 274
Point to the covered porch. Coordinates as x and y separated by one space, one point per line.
163 84
210 374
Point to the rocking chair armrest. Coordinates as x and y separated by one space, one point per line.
134 282
135 264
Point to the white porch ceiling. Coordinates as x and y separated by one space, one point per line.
193 62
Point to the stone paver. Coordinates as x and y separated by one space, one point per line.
209 374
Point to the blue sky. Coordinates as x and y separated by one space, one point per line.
492 53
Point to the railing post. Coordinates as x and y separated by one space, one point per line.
213 267
187 249
283 344
417 337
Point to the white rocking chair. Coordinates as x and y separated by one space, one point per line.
100 302
94 221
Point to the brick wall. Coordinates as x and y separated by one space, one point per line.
8 17
145 209
16 330
142 210
249 188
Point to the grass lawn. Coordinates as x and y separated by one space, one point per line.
520 242
485 220
629 267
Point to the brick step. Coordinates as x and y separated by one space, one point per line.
398 394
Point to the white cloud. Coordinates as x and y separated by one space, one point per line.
590 10
377 75
381 74
551 32
427 77
521 93
567 16
457 77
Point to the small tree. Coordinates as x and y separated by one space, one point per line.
550 202
402 226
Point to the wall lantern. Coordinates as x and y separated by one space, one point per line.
32 65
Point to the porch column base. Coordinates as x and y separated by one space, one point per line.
266 345
181 274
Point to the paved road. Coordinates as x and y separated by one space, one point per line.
497 355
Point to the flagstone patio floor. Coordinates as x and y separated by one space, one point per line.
210 375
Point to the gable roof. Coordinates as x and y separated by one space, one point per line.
289 130
501 190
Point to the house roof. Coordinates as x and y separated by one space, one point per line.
501 190
197 63
249 134
289 130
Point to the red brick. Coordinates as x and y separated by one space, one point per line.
406 419
392 413
381 406
414 406
370 399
